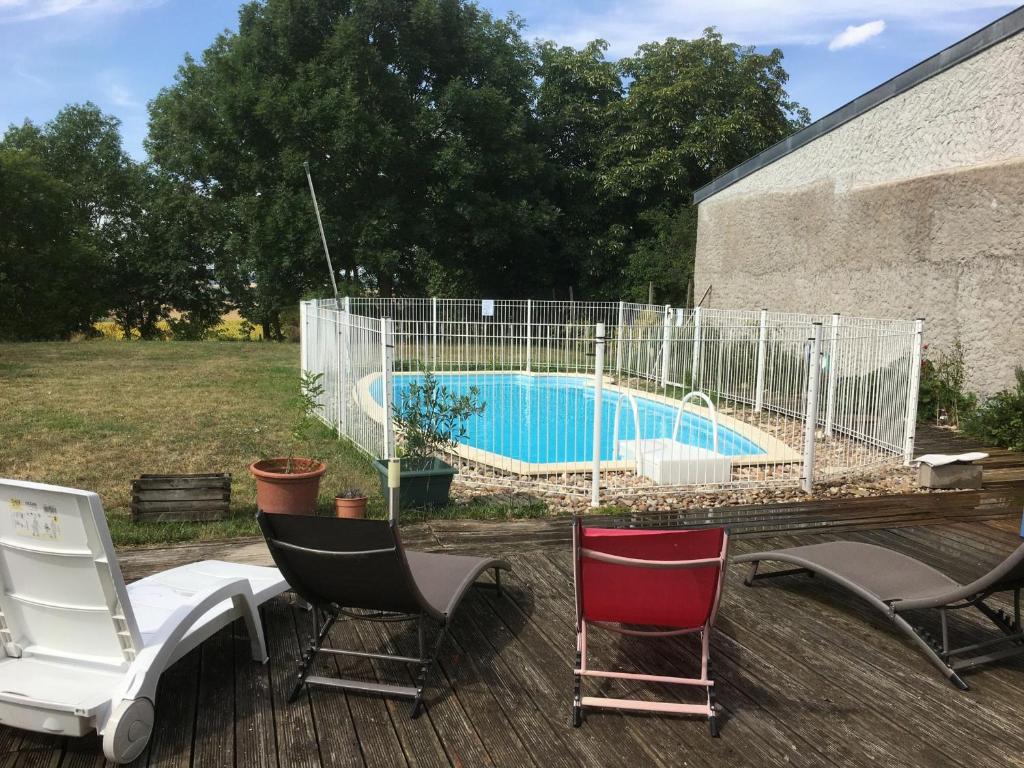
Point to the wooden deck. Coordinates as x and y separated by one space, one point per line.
808 676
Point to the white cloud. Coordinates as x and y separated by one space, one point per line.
121 96
31 10
627 23
855 35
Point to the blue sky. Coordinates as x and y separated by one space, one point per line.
119 53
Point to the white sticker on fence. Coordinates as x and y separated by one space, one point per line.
487 307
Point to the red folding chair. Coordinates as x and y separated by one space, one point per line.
666 582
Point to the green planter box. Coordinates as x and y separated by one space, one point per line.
425 483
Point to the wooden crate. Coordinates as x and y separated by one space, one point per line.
181 497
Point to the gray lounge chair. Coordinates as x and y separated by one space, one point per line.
896 584
359 569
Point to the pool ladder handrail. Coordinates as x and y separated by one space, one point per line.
638 465
711 407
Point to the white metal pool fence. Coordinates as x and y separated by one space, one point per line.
601 407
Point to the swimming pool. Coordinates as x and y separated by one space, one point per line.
549 419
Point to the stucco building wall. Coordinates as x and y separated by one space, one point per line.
915 208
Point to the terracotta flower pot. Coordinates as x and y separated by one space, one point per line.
346 506
289 493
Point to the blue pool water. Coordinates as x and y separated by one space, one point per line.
550 419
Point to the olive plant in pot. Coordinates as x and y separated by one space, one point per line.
290 484
431 420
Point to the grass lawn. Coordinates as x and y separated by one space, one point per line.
97 414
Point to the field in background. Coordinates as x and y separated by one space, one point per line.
232 327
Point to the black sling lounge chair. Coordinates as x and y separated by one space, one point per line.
359 569
896 584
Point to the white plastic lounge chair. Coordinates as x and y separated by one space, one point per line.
81 650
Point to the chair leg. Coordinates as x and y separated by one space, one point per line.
577 697
929 651
752 573
713 717
712 707
426 663
310 653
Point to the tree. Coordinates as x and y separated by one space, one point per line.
149 246
415 116
695 108
578 91
82 147
162 268
46 267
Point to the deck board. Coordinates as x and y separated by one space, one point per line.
807 674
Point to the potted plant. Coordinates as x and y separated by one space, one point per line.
352 504
290 484
431 420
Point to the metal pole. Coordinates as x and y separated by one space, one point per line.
618 338
694 378
666 334
303 337
433 315
595 490
830 398
811 416
910 430
529 334
323 237
762 355
387 359
394 488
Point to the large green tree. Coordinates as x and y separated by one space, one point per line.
415 116
694 109
578 92
47 268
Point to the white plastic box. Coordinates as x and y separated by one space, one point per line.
669 462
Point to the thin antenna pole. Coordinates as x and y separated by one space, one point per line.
323 237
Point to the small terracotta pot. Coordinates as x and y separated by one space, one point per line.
288 493
350 507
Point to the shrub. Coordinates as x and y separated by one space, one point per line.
999 420
941 397
433 418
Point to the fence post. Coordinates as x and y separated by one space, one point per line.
303 338
387 362
394 487
666 334
910 430
762 355
811 415
595 490
433 315
696 348
342 371
618 338
830 399
529 333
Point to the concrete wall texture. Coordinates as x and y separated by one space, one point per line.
913 209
